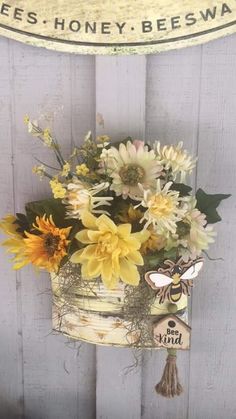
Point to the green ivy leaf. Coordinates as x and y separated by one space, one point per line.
207 203
156 259
184 190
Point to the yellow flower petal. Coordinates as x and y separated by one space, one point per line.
129 273
105 224
135 257
76 257
124 229
107 273
94 268
88 220
142 236
82 236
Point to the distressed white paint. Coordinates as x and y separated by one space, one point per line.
188 94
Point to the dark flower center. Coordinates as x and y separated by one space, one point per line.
132 174
51 243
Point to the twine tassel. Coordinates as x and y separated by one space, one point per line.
169 386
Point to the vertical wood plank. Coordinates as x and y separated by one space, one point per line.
173 81
11 360
83 120
213 370
42 85
120 103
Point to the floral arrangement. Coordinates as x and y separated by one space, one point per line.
117 211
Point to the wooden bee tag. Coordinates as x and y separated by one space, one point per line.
171 332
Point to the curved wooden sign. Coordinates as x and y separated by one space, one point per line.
116 27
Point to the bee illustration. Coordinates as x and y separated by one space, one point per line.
174 280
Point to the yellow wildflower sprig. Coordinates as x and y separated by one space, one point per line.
45 137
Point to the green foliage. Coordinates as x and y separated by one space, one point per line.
184 190
155 260
52 207
207 203
22 222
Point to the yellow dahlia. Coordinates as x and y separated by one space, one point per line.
15 243
174 158
47 248
111 251
200 234
81 197
164 209
129 166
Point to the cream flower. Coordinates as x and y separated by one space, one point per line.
111 251
176 159
200 234
80 197
164 209
130 166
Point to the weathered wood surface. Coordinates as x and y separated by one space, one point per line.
188 94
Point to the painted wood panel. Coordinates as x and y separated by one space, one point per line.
120 108
212 369
173 81
11 358
184 95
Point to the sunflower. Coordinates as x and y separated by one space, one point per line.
46 249
129 166
111 251
15 243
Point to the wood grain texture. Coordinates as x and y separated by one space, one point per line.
11 355
212 381
120 103
173 81
42 86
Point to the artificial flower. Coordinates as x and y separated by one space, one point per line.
128 167
15 243
39 170
48 247
164 208
47 138
58 189
175 159
130 215
103 141
65 169
155 242
81 197
82 169
111 251
200 234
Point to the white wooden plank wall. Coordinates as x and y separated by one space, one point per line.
188 94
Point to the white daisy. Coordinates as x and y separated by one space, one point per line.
80 197
164 209
176 159
129 166
200 235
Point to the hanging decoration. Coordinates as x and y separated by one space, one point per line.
123 238
124 27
